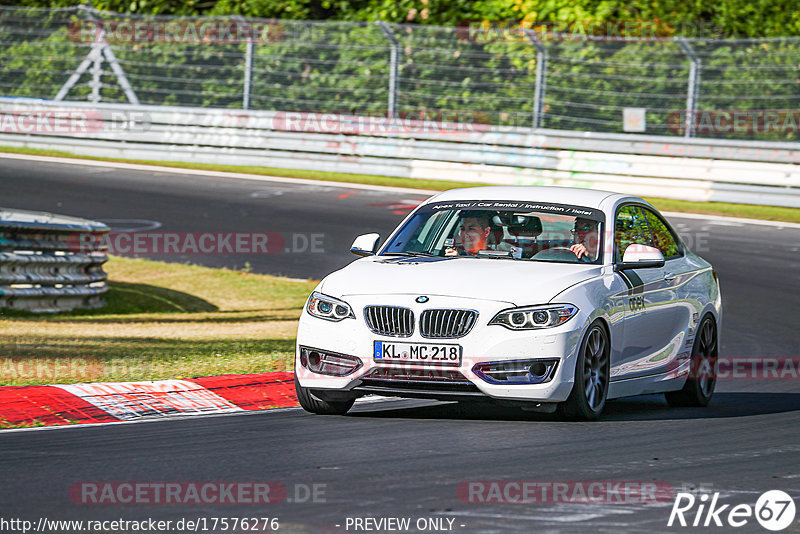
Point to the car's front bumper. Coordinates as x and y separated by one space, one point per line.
484 343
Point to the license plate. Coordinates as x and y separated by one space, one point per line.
421 353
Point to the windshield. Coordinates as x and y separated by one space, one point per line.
525 231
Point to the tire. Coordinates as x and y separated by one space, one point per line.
588 396
312 403
699 387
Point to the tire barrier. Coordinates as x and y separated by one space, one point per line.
51 263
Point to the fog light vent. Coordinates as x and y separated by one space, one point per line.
328 363
517 371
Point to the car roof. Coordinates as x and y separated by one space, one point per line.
590 198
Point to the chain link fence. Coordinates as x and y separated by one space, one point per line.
733 88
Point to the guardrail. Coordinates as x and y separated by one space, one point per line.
753 172
51 263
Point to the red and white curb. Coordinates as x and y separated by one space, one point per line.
106 402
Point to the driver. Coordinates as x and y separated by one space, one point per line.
587 239
473 232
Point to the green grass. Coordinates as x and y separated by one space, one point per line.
433 185
162 321
34 423
751 211
748 211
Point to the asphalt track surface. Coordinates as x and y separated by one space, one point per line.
406 458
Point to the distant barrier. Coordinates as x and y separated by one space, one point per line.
51 263
753 172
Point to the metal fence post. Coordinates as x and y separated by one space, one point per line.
95 84
394 56
248 64
541 81
248 73
693 86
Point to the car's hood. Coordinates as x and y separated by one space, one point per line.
516 282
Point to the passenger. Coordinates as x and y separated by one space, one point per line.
587 239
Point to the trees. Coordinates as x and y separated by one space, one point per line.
698 18
447 70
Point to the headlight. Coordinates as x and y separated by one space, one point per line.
328 308
533 317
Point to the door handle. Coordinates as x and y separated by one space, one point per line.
669 277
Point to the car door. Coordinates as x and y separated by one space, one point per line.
674 314
648 331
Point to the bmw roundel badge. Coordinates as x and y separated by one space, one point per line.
423 299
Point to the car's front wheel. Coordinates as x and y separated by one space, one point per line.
314 404
699 387
588 396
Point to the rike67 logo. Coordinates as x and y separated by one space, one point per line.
774 510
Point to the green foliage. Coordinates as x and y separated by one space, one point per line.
739 18
485 77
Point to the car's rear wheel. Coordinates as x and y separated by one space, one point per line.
699 387
588 396
314 404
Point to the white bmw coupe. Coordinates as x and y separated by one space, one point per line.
541 297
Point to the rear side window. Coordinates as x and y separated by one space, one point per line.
663 239
630 228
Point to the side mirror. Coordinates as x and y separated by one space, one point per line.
640 257
365 245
